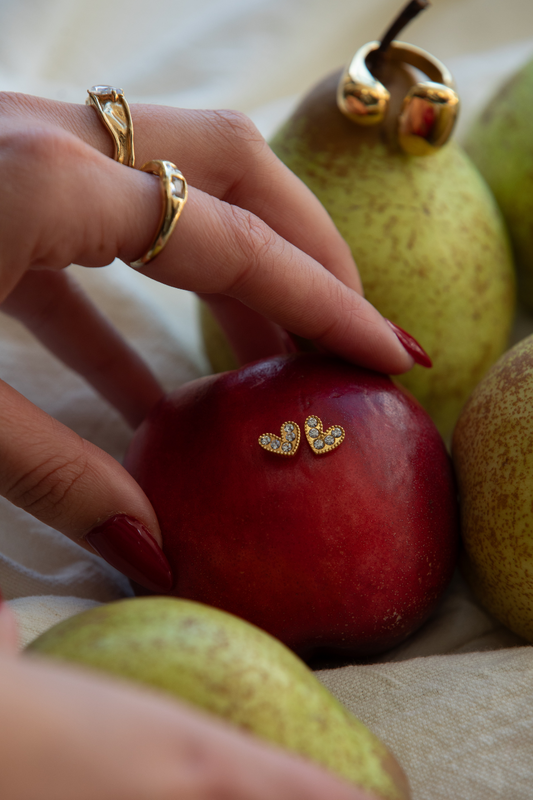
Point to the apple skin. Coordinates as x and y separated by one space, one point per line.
342 553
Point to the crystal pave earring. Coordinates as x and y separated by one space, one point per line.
321 441
286 444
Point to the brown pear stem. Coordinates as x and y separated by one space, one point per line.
405 16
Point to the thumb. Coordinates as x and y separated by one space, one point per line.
78 489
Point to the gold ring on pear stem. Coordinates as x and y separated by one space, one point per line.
174 194
114 112
429 108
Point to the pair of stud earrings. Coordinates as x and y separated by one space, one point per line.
287 443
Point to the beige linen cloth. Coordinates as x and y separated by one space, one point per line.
455 702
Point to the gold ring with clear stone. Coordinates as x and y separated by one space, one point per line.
114 111
174 194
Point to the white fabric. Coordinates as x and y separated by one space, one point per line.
455 701
35 614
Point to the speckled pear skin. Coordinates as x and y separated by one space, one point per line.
493 457
501 145
426 235
230 668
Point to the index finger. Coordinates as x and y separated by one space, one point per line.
104 210
223 249
223 154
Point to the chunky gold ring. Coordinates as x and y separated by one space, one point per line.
429 108
174 194
114 111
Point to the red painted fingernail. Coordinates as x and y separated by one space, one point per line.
127 545
411 345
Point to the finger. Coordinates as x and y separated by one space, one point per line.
235 164
76 488
68 733
92 209
56 310
221 153
251 335
222 249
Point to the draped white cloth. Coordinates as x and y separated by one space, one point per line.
455 702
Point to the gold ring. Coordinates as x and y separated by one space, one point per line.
114 111
174 194
429 109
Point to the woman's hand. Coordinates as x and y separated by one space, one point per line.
69 735
251 230
251 239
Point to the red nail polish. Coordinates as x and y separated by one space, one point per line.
126 544
411 345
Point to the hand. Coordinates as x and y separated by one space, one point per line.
70 735
252 240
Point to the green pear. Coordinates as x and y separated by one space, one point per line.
230 668
425 233
493 455
501 145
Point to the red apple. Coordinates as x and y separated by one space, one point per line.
346 551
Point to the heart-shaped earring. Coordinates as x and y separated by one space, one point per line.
284 445
322 441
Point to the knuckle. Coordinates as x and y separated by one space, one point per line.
239 133
7 102
30 159
35 163
34 145
44 489
252 240
16 105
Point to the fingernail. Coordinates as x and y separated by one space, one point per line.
127 545
411 345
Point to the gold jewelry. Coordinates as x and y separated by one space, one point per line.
322 441
284 445
429 108
174 194
114 112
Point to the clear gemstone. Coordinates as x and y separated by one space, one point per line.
274 444
289 427
313 433
337 433
290 437
318 444
286 447
312 422
106 90
329 439
177 187
265 440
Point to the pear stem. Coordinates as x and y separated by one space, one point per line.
405 16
